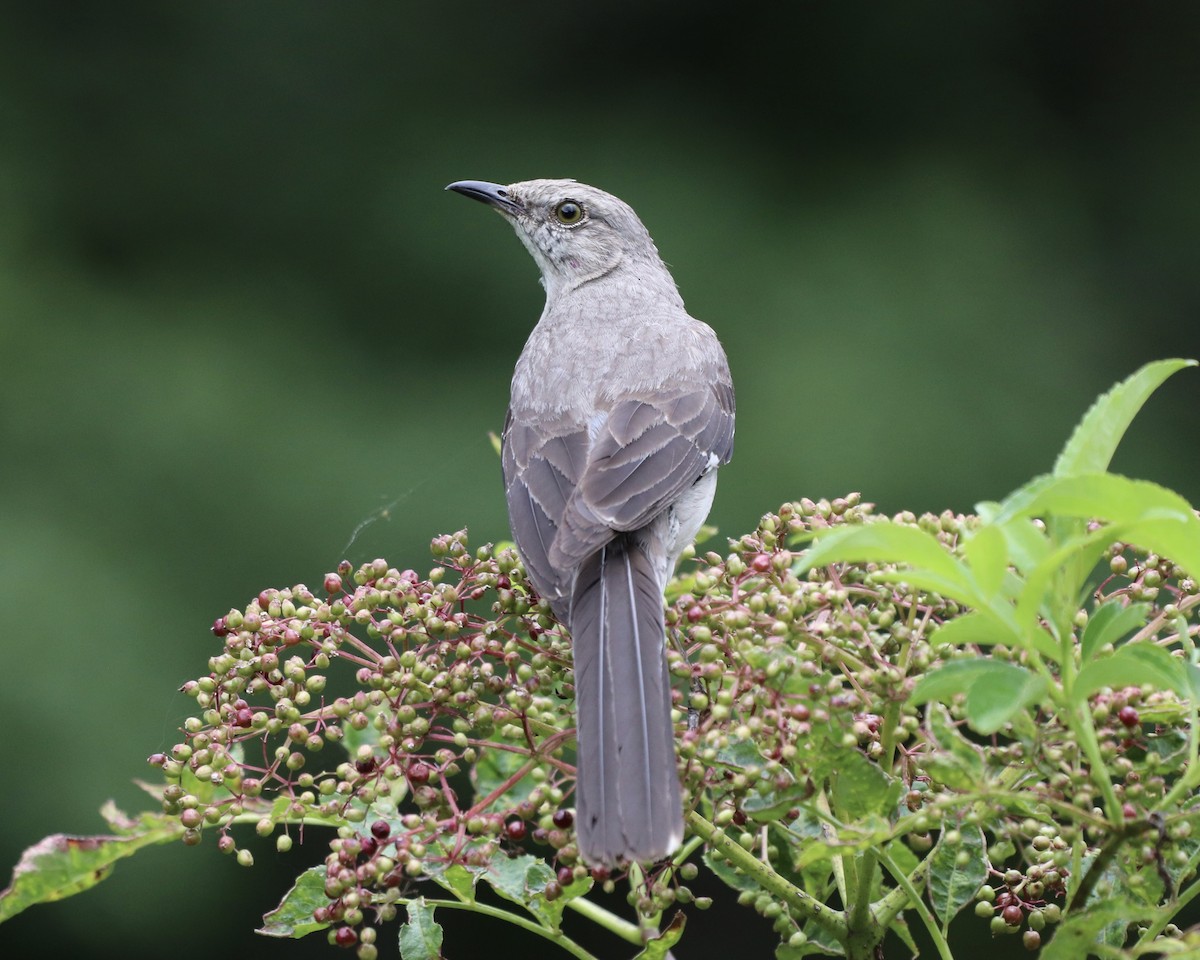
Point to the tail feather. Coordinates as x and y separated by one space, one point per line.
627 793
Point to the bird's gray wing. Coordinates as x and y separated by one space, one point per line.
571 487
542 466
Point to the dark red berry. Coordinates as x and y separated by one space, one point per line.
333 583
695 612
369 845
419 772
220 627
739 818
1012 915
553 891
345 937
563 819
366 766
244 717
761 563
381 829
565 876
516 830
1128 716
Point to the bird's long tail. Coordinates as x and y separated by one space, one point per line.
627 793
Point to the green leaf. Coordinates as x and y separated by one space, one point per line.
987 556
956 873
985 628
813 948
1001 696
1153 517
61 866
421 936
995 689
861 786
959 763
740 753
457 879
930 565
518 878
493 768
1026 543
660 947
550 912
1095 439
1133 665
727 873
1077 936
294 915
1109 623
822 941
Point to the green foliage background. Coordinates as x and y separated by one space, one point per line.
238 317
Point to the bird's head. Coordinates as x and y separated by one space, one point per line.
575 232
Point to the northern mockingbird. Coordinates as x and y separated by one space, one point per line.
621 413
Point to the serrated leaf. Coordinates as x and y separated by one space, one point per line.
978 627
1153 517
954 879
808 847
1095 439
902 855
930 565
1133 665
998 697
766 801
660 947
824 941
61 866
294 915
899 927
987 556
1026 542
739 753
995 690
550 912
1076 937
861 786
421 936
457 879
518 878
984 628
1109 623
959 763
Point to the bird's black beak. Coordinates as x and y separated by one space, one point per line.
493 194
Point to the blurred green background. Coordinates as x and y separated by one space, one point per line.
244 333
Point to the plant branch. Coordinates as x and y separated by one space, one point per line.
834 921
524 923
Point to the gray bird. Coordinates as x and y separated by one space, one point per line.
621 412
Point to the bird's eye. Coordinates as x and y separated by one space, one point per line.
569 212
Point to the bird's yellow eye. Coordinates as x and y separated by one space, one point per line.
569 212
